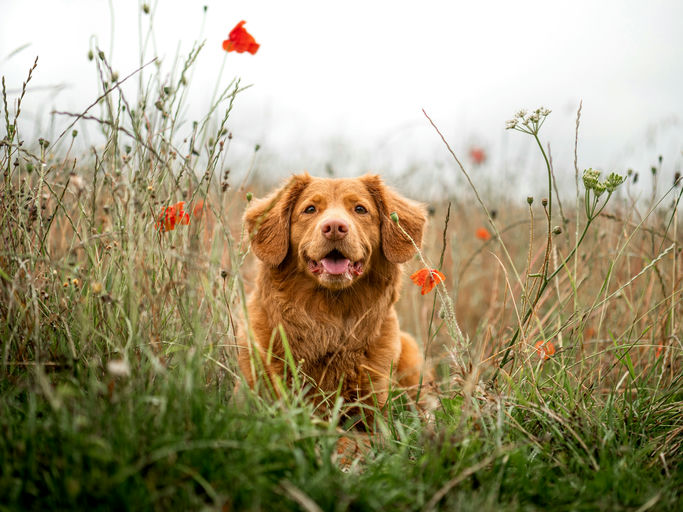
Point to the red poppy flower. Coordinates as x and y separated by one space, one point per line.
172 215
660 349
478 155
240 40
198 208
545 349
427 279
483 234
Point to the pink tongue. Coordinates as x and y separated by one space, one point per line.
336 267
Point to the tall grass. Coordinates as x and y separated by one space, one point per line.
118 338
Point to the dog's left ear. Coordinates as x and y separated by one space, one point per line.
397 248
268 220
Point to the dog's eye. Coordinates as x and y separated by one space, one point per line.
310 209
360 209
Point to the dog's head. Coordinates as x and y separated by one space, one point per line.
334 230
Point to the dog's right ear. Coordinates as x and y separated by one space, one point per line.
268 220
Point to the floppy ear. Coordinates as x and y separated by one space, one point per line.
268 220
397 248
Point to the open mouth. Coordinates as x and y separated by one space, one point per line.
336 264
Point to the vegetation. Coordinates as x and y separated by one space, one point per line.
558 355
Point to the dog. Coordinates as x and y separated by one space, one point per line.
329 275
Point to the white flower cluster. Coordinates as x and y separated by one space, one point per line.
528 122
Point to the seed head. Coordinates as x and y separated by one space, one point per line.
394 216
590 178
613 181
530 200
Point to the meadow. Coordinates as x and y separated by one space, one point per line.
556 336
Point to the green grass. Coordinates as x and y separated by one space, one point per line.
118 370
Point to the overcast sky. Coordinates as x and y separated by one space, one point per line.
344 82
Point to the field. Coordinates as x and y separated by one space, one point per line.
556 336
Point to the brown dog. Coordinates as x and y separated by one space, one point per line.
329 275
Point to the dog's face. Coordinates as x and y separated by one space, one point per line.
334 230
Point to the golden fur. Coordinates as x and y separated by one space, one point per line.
329 274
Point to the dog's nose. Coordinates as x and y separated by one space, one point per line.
334 229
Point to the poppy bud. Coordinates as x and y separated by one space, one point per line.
100 54
257 147
249 196
224 273
90 55
544 201
677 178
557 230
654 170
114 76
530 200
394 216
145 8
74 133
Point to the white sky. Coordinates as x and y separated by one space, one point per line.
345 82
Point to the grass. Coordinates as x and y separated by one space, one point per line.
118 340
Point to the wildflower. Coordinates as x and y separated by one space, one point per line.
660 349
172 215
528 122
545 349
478 155
511 124
483 234
613 181
590 178
198 208
599 189
427 279
240 40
